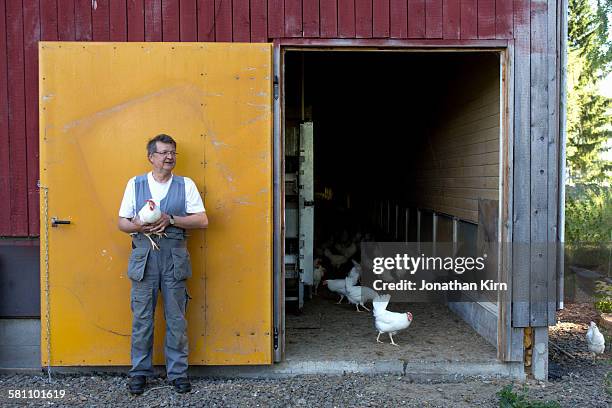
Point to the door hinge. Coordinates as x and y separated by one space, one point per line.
275 87
275 338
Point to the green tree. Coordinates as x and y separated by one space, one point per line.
588 113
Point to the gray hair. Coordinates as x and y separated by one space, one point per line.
163 138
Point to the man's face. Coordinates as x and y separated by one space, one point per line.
164 156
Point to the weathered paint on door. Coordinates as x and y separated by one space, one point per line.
99 104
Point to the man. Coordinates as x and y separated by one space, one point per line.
166 268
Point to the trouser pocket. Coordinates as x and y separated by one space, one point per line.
138 263
181 263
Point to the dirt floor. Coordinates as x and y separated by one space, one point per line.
326 331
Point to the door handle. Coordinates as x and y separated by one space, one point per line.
55 222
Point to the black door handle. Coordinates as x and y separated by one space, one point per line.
55 222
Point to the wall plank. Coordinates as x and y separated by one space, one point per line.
346 18
452 19
469 19
153 20
363 18
100 21
503 18
223 20
16 117
31 32
310 21
241 23
170 20
188 30
82 20
486 19
206 20
539 165
522 164
398 18
48 20
259 21
416 18
276 18
380 18
135 20
118 20
5 163
293 18
433 19
553 160
65 18
329 18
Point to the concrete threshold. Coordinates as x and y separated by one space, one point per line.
417 371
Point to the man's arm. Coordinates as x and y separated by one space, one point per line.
191 221
133 225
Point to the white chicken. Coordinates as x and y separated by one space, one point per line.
359 295
149 214
595 340
339 285
317 275
389 322
335 260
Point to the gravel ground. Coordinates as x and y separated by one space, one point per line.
577 380
313 390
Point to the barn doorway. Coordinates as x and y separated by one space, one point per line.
386 146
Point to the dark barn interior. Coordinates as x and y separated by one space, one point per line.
393 132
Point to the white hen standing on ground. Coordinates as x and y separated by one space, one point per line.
339 285
389 322
595 340
359 295
149 214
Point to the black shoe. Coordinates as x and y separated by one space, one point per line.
136 384
181 385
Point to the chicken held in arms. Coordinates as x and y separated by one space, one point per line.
389 322
150 214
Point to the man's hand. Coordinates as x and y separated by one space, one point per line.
161 224
144 228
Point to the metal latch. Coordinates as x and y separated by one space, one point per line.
275 87
55 222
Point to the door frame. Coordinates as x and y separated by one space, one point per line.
505 49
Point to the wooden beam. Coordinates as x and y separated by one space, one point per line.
540 138
521 215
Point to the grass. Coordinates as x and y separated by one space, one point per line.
508 398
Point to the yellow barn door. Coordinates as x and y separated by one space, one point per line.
99 104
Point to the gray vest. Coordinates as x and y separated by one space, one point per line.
173 204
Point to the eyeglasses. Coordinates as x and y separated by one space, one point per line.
169 153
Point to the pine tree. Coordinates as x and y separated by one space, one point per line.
588 113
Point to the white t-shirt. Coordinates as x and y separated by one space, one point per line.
128 209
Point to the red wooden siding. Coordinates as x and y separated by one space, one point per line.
310 22
380 17
16 119
5 170
23 23
100 23
118 20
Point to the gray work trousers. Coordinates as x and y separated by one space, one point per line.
151 270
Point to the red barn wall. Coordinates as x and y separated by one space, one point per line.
24 22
